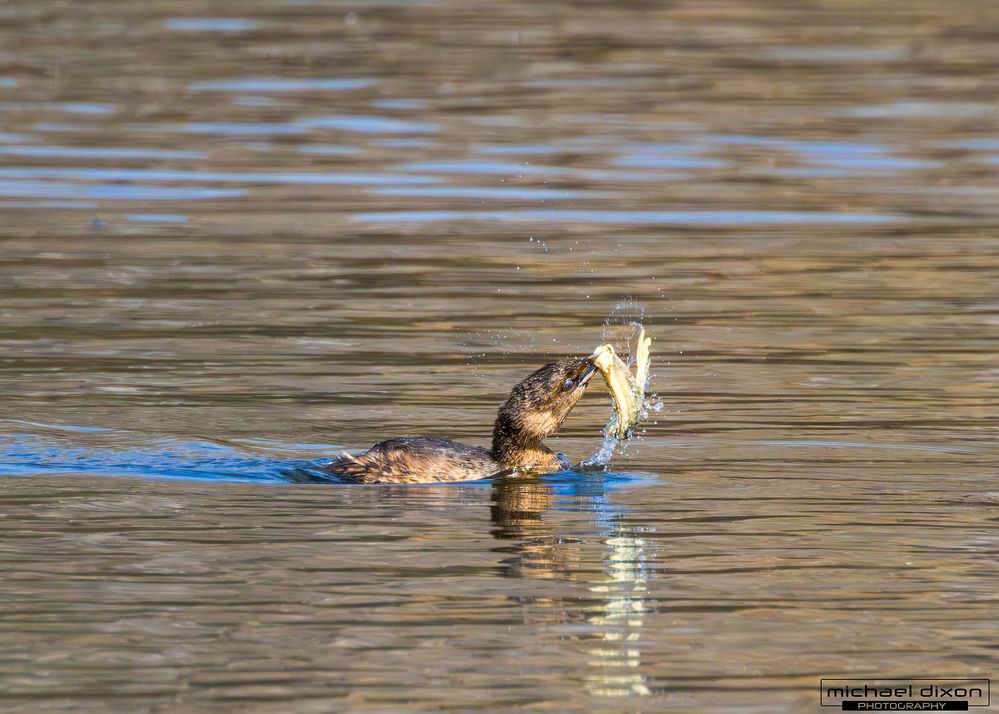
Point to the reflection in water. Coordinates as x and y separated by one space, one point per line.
518 512
618 654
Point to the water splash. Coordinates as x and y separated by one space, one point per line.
622 328
604 454
650 405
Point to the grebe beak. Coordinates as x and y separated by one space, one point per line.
587 375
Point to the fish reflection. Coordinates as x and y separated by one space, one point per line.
619 604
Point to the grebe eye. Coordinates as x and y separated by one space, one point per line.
568 384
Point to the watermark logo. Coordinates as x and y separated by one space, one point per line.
904 695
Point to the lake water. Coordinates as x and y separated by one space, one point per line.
238 237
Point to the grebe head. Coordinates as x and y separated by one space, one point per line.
540 403
537 407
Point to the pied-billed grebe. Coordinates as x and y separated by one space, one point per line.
534 410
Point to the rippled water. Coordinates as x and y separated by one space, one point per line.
241 236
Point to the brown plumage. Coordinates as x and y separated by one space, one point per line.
534 410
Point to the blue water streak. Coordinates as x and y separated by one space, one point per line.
30 449
704 218
212 24
31 455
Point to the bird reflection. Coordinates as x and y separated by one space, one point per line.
518 505
519 508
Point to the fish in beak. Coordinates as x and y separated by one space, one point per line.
627 389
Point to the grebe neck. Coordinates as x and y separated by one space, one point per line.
517 448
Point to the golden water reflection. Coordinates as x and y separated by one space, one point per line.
619 588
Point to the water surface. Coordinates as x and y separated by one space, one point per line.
237 242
